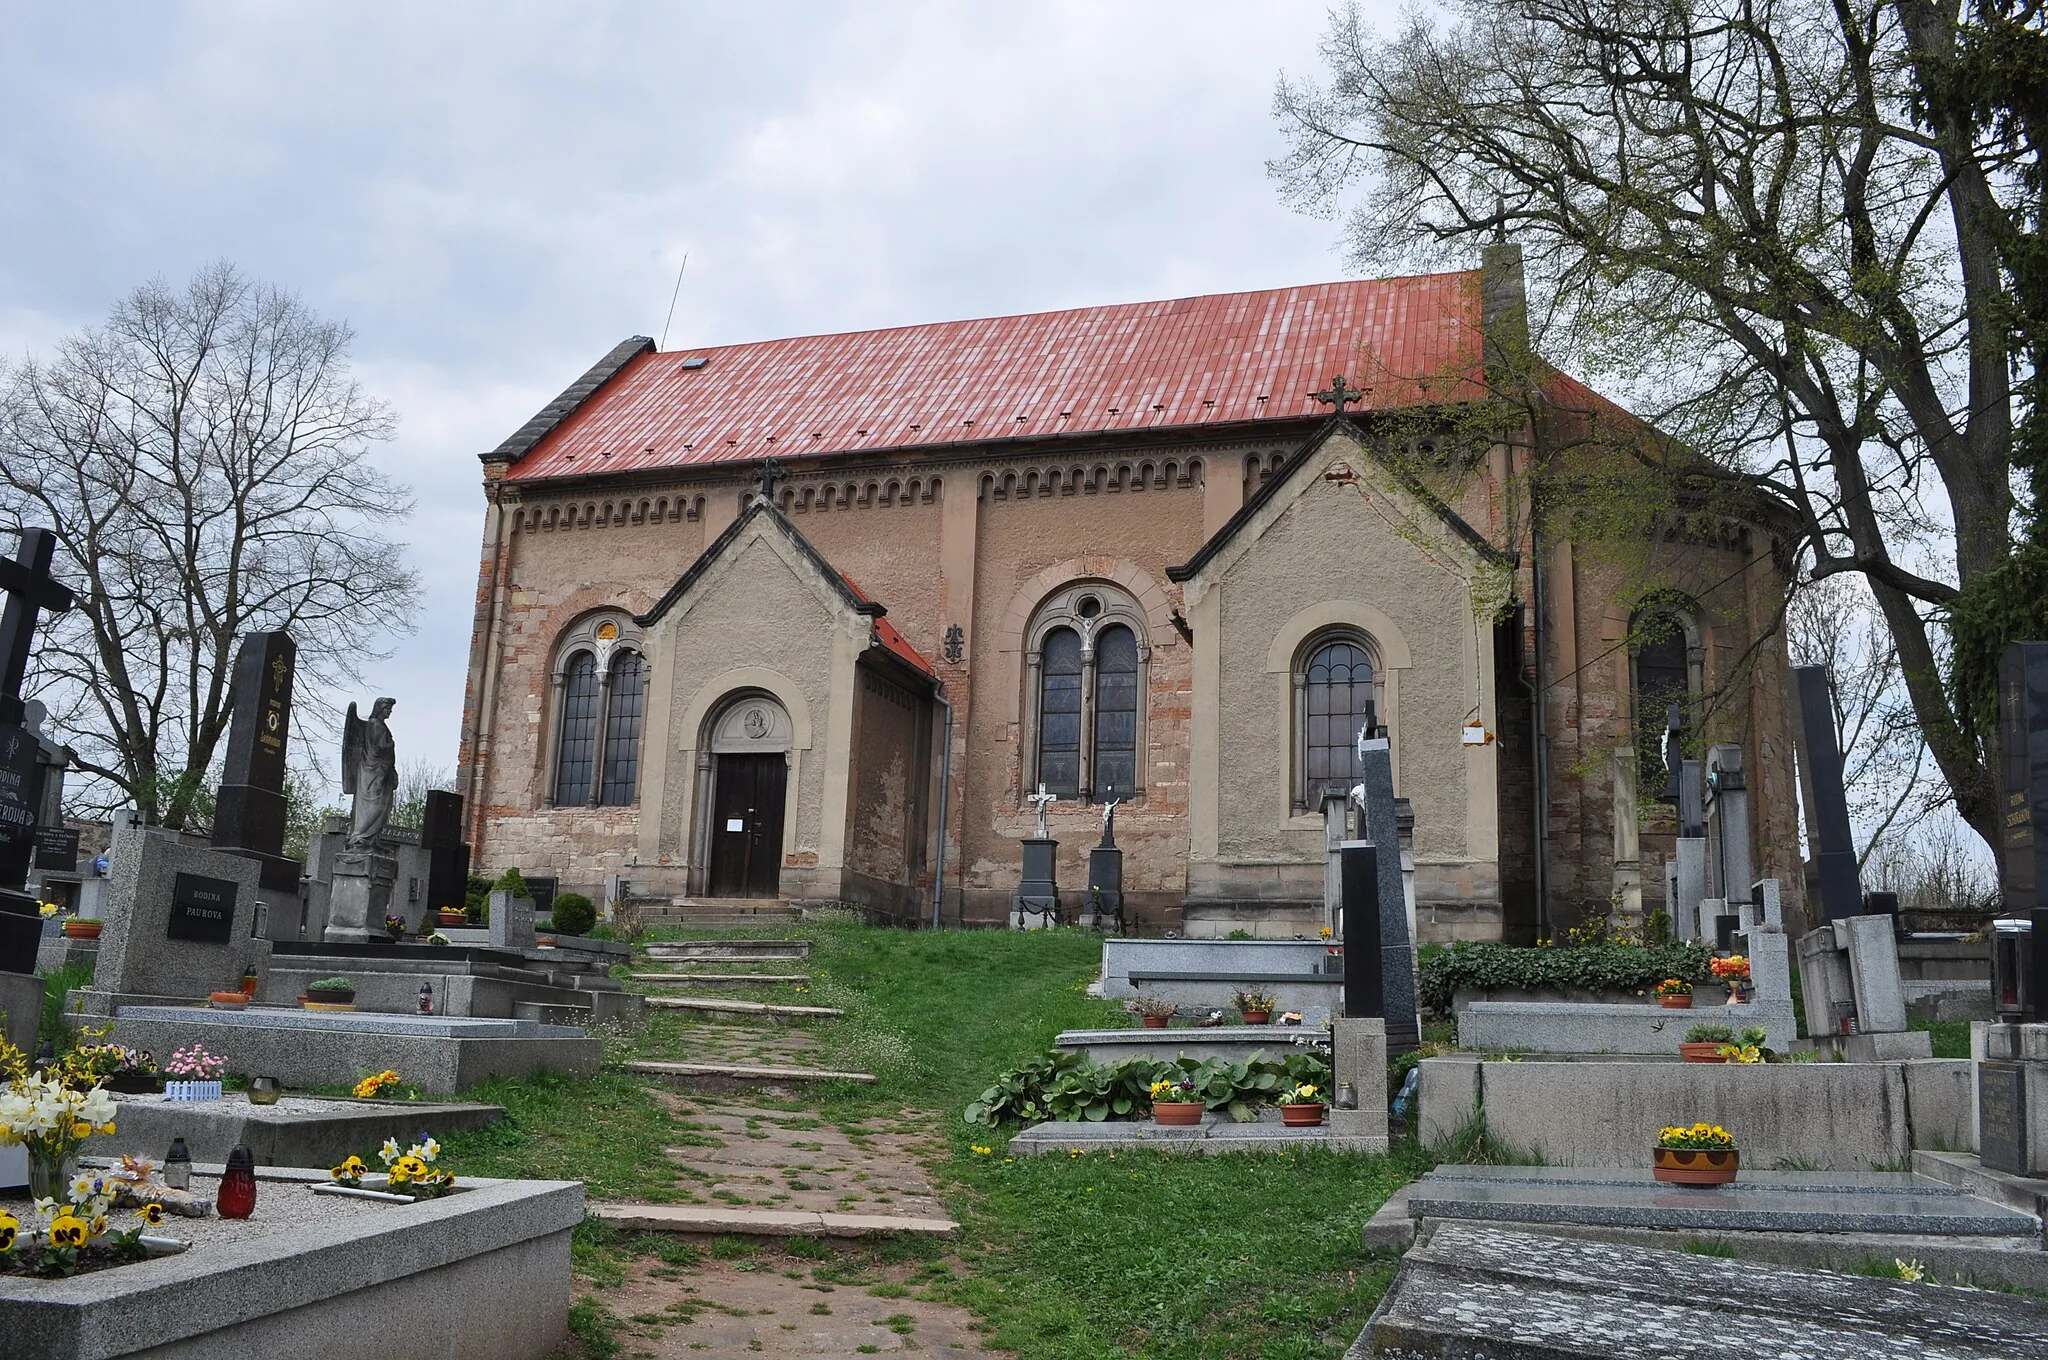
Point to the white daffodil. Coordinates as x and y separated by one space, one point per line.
389 1153
428 1150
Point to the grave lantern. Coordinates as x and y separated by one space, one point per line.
2012 959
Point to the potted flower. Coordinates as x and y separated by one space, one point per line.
1150 1009
78 928
1733 973
1746 1048
1256 1006
394 926
1175 1101
330 994
1301 1106
122 1070
194 1074
1333 953
1674 994
1704 1154
452 916
1703 1043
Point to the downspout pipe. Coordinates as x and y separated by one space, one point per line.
945 803
1540 755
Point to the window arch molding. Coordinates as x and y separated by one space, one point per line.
1294 641
597 712
1087 670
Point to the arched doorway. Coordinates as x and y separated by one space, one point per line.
750 741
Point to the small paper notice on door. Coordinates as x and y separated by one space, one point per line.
735 824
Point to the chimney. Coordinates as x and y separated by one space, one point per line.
1503 312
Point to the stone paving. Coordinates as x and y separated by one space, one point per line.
772 1303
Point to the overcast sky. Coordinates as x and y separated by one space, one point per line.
493 195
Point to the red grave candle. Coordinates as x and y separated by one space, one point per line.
237 1195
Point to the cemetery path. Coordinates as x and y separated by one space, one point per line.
801 1297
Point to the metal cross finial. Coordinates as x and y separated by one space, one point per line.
1338 394
766 476
1042 800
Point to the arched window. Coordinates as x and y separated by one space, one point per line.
1661 660
622 730
1085 658
576 755
1116 712
1336 687
600 702
1059 714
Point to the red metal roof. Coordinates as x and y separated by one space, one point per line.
1222 359
886 632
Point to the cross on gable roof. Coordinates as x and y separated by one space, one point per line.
1216 361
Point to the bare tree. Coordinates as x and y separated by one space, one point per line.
1740 218
202 460
416 779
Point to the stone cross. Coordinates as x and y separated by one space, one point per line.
1338 394
30 587
766 476
1041 800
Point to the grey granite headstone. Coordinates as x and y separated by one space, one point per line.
511 923
178 919
359 897
1690 854
1770 899
1873 949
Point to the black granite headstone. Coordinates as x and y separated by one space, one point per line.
20 792
56 848
1358 883
1841 892
1379 822
202 909
2023 747
249 815
1038 890
447 852
542 891
2002 1116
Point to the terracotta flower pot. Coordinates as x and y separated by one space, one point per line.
1676 1003
1155 1021
1301 1116
1177 1113
1257 1017
452 918
82 930
1704 1052
1694 1166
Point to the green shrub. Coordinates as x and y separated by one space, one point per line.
513 882
574 914
1594 967
1064 1085
1709 1034
331 984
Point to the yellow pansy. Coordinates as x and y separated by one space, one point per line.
67 1230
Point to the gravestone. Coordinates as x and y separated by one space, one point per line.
2023 760
1827 801
1690 854
511 923
359 891
29 588
447 852
1728 833
1104 908
1036 904
177 923
1358 929
249 817
2001 1116
1380 825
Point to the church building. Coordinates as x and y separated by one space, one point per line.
810 619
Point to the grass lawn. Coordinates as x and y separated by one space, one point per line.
1065 1258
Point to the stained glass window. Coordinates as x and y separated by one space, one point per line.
1116 714
622 731
1059 714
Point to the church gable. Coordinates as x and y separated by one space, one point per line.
1335 456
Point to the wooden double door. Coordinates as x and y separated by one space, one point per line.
746 830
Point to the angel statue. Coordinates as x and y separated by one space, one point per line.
369 770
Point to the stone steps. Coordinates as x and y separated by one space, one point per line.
744 1074
726 1220
721 979
731 952
727 1007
